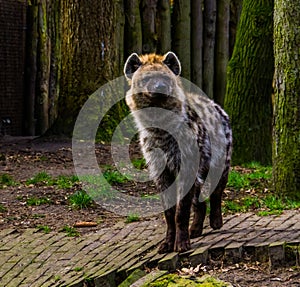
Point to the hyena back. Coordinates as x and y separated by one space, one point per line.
155 87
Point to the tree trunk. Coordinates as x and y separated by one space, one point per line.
196 41
31 69
88 55
210 11
235 13
119 36
43 61
148 11
249 84
54 16
222 50
286 141
163 26
133 28
181 27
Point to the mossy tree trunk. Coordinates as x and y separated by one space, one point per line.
181 28
88 55
249 84
286 141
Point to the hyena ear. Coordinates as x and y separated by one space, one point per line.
172 62
132 64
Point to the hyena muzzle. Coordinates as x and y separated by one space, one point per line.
155 87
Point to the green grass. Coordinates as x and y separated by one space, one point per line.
250 191
132 218
66 182
62 181
80 200
263 205
6 180
78 269
44 228
70 231
256 177
114 176
36 201
40 178
2 208
139 163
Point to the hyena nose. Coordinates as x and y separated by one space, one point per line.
161 88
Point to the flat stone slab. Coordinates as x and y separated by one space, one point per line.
34 259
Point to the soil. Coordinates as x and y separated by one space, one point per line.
22 158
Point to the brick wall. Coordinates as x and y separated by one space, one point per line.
12 55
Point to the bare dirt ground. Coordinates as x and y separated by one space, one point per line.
22 158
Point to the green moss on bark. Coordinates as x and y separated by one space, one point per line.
249 84
286 144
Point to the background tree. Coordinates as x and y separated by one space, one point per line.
181 27
249 84
286 143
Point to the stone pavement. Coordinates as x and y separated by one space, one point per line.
33 258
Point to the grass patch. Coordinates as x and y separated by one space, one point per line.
62 181
139 163
114 176
80 200
248 189
66 182
2 208
36 201
40 178
132 218
44 228
70 231
78 269
6 180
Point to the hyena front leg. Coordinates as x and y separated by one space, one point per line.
164 182
168 244
215 217
183 209
199 209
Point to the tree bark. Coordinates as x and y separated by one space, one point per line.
235 14
133 28
249 84
210 11
149 32
43 61
196 41
163 26
222 50
54 16
286 133
31 69
88 55
181 28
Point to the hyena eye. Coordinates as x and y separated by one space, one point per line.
145 80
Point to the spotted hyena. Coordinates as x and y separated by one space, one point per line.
156 93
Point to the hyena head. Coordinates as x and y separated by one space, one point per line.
154 81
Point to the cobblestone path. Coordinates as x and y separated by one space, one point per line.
33 258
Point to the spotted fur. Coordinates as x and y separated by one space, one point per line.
154 82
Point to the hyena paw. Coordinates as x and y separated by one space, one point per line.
182 242
195 232
166 247
216 222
